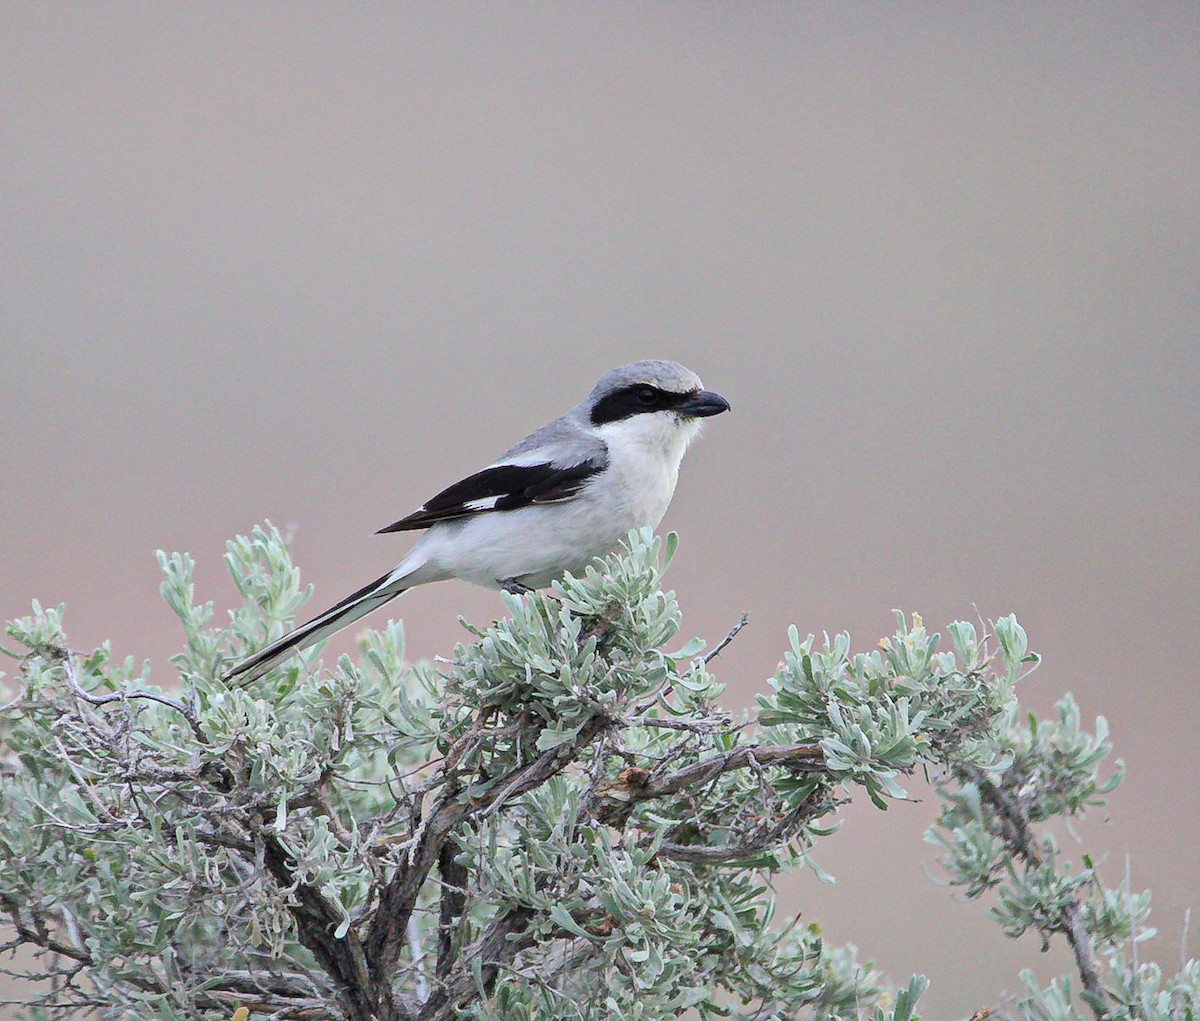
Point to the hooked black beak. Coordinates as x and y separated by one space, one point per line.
702 404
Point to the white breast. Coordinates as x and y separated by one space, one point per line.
644 453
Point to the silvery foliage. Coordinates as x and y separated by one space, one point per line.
558 822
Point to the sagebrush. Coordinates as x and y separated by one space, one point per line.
558 821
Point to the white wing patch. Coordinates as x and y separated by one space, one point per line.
482 504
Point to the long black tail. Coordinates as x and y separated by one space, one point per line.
356 605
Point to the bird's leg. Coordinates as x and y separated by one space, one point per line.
511 585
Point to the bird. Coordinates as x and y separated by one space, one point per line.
566 494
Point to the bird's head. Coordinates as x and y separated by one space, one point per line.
654 402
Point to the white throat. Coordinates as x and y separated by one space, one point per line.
644 456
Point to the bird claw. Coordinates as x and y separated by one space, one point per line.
513 587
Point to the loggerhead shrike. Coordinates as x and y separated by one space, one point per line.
564 495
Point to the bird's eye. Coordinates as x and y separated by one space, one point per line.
647 396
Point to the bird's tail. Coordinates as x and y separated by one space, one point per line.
356 605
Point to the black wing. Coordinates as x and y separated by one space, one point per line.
500 488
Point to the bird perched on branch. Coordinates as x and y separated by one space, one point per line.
567 493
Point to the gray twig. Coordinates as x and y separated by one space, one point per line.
713 653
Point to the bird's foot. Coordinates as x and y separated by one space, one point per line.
514 587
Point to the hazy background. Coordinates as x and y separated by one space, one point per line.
311 263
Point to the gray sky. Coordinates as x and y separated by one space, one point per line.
312 263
